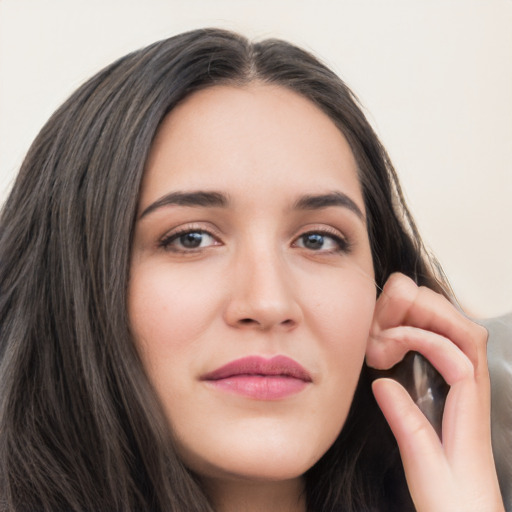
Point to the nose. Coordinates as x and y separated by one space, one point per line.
263 294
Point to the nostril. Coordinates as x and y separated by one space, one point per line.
252 322
247 321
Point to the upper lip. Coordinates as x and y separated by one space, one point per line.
282 366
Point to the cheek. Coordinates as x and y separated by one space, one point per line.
340 316
168 311
342 310
343 319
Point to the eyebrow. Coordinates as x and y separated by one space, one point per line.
317 202
219 200
198 198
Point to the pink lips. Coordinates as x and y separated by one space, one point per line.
260 378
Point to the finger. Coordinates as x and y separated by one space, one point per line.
402 302
416 439
466 422
388 347
438 480
467 408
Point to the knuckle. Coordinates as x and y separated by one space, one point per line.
481 334
466 371
386 349
375 358
478 336
400 287
402 282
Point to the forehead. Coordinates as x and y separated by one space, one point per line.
247 137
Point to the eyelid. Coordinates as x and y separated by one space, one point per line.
343 242
165 241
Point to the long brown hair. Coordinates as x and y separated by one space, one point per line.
80 427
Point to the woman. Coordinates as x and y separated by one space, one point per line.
191 260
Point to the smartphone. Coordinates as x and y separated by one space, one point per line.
425 385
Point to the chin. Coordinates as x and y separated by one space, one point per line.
260 469
258 457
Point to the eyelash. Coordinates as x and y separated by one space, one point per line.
166 242
343 245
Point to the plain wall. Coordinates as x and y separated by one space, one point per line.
434 75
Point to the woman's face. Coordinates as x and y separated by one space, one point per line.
251 291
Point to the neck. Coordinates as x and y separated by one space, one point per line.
250 496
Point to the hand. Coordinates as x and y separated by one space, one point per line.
457 473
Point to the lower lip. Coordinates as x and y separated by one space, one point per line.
264 387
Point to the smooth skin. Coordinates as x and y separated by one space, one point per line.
252 266
282 267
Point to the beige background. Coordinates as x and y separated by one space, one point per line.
434 75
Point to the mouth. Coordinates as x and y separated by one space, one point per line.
260 378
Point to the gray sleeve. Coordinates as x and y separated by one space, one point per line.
499 352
